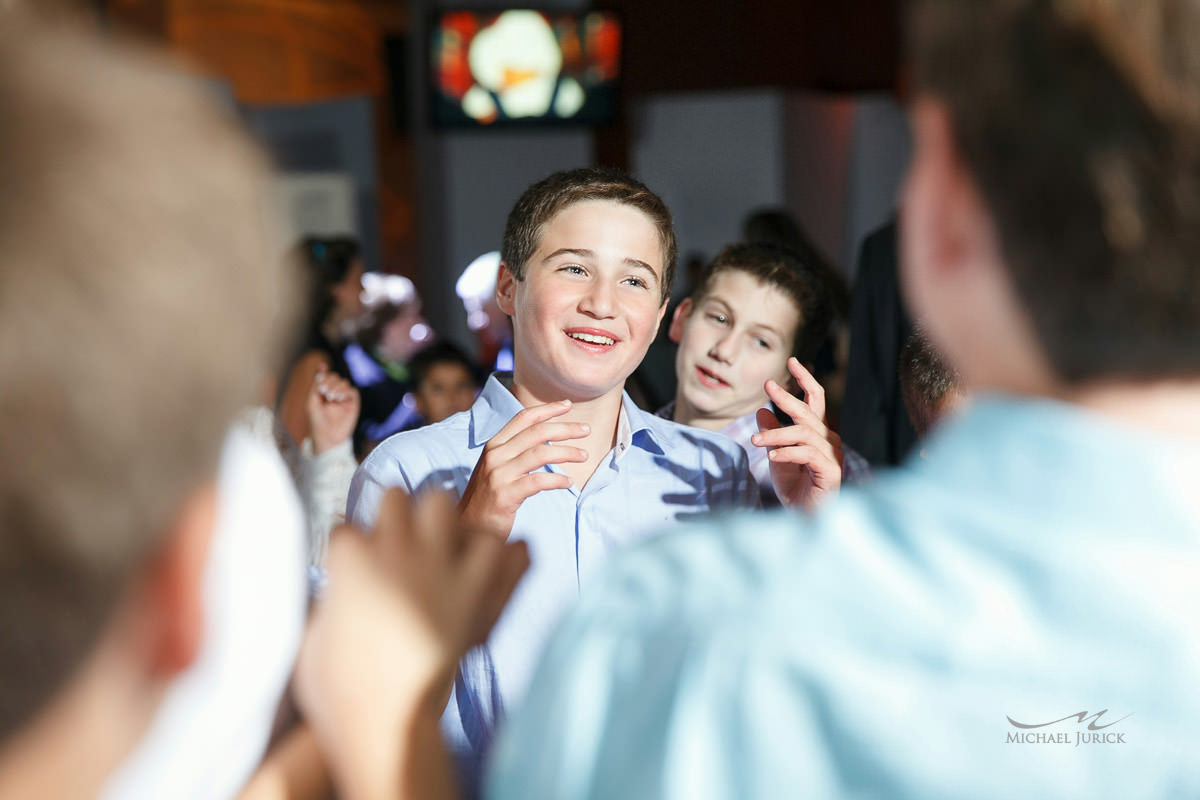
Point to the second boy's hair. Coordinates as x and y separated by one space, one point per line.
542 201
784 270
1084 150
135 318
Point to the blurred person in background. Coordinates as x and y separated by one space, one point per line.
444 382
331 268
931 388
384 336
874 419
476 288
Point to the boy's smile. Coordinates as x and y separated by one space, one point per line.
589 304
738 336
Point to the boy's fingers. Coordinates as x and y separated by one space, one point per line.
814 393
826 472
540 455
393 533
527 486
529 417
793 406
489 573
434 523
344 542
766 420
546 432
794 435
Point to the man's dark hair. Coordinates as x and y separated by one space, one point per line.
926 380
1080 121
545 199
784 269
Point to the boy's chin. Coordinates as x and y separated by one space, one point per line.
718 402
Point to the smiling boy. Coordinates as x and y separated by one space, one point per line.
757 314
555 453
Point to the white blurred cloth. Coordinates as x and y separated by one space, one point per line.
214 723
323 480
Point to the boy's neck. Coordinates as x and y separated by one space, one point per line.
684 414
600 413
72 747
1164 407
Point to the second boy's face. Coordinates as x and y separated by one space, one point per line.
589 304
730 343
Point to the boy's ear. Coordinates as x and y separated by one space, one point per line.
682 312
506 286
947 212
169 602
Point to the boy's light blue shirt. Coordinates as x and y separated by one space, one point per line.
1041 562
658 473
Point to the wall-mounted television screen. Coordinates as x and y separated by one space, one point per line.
524 67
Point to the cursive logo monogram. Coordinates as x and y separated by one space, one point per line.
1080 717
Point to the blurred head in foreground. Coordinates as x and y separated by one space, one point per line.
1056 179
138 308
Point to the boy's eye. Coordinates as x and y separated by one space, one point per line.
718 317
573 269
635 281
762 343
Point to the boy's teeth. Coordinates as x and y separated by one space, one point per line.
591 338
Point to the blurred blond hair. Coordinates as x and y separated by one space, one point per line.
139 305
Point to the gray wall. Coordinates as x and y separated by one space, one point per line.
710 157
835 161
334 136
880 151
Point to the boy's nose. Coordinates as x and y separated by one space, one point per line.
723 349
598 301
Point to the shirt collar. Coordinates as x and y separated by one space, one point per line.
492 410
642 426
497 405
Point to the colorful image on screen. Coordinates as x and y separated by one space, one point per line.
522 66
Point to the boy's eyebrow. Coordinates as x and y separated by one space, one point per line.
582 253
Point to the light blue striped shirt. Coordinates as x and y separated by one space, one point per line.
1041 562
658 473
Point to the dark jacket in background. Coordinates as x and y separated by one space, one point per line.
874 421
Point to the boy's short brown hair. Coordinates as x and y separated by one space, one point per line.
542 201
782 268
136 316
1080 121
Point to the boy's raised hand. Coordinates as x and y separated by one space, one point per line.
401 608
332 407
806 456
510 468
